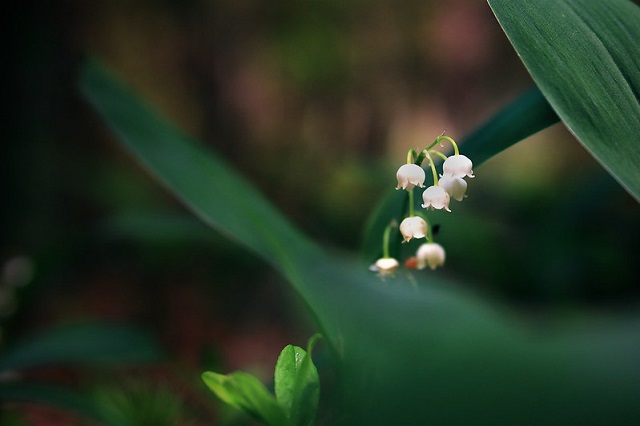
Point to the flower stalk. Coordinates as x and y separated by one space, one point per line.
450 184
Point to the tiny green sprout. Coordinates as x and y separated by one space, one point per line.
296 385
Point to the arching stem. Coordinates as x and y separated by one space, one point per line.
433 170
385 238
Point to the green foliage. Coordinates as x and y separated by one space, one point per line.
432 353
72 344
245 392
85 343
297 389
297 385
57 396
583 55
136 403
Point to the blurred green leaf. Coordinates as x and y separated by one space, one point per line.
526 115
584 56
245 392
84 343
210 188
131 402
412 349
78 402
297 385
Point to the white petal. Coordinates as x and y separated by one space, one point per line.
458 166
455 186
430 254
410 175
413 227
436 197
385 266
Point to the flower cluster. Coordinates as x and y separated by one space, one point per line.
450 184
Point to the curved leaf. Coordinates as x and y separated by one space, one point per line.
584 57
526 115
431 354
81 343
245 392
297 385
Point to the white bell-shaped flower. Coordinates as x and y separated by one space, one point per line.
431 255
385 266
413 227
436 197
457 166
455 186
409 176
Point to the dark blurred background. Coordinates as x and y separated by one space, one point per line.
317 102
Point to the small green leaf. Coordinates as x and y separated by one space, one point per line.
245 392
297 385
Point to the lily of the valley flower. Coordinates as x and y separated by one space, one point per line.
457 166
409 176
430 254
385 266
455 186
413 227
436 197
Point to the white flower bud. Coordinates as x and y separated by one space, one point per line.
413 227
455 186
410 175
436 197
457 166
430 254
385 266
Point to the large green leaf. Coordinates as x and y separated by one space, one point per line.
406 353
584 56
526 115
217 195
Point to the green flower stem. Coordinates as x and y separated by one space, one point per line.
438 153
385 238
412 156
434 143
433 170
429 236
411 207
439 140
453 143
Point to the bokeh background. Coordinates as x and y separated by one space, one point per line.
317 103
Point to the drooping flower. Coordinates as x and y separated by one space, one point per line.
385 266
409 176
455 186
436 197
413 227
431 255
457 166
